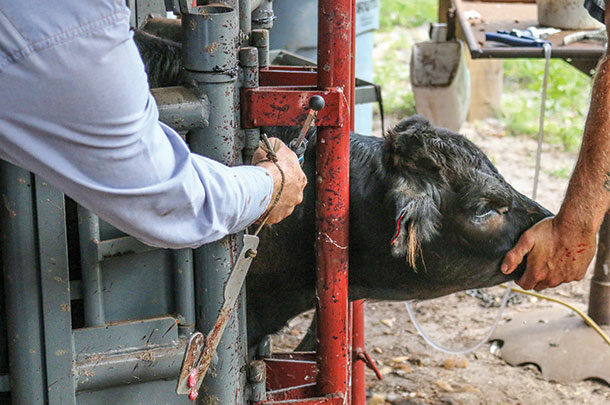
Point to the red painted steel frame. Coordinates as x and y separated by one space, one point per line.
332 215
358 364
287 106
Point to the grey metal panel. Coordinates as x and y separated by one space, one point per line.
184 289
5 384
108 231
22 287
55 286
125 245
137 286
124 336
151 393
91 272
144 8
180 108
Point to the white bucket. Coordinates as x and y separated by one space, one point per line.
566 14
441 82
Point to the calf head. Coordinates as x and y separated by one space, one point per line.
452 216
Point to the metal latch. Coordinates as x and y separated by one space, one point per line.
200 350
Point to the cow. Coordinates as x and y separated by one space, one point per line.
429 215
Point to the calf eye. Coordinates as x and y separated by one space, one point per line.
484 216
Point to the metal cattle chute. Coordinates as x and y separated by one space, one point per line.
93 316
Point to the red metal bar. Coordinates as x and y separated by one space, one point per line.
273 106
358 387
290 77
358 364
332 216
284 373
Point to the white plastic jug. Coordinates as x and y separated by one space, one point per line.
566 14
440 81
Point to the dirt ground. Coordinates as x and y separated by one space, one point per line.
415 373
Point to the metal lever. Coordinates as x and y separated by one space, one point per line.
298 145
200 350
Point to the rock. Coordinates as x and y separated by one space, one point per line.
385 370
377 399
388 322
405 368
449 363
461 363
445 386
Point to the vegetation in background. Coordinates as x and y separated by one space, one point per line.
399 20
406 13
567 95
567 100
562 172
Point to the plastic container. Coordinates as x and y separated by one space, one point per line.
566 14
440 81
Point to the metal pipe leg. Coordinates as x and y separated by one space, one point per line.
93 297
22 295
332 201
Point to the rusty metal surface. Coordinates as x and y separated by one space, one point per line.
506 16
332 202
599 295
191 357
304 394
559 343
287 373
168 28
358 363
294 75
311 356
273 106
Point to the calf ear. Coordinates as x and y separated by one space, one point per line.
406 147
417 222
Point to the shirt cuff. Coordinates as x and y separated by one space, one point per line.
257 183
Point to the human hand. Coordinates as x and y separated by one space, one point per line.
554 255
294 180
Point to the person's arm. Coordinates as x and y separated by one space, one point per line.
560 249
78 112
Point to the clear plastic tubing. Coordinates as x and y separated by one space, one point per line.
444 349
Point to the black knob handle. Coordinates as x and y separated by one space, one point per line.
316 103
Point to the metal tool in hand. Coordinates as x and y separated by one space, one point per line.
200 350
595 35
299 145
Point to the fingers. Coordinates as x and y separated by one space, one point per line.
515 256
294 180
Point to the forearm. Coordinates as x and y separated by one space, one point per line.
588 196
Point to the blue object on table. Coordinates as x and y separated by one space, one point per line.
511 38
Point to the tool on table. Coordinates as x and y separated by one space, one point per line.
595 35
515 38
299 145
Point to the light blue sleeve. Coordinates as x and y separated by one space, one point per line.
79 114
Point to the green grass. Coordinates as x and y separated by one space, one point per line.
562 173
567 102
406 13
